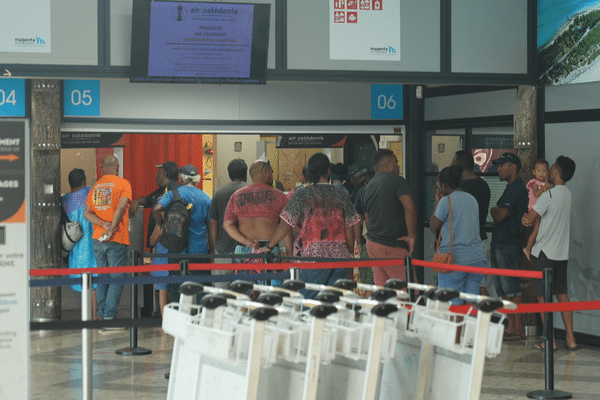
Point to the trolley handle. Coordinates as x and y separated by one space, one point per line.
190 288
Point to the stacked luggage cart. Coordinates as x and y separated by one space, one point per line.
338 346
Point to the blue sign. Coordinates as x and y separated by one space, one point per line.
12 97
81 98
387 102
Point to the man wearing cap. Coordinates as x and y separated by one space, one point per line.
220 239
506 236
252 213
198 234
166 179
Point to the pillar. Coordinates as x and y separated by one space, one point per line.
525 141
46 201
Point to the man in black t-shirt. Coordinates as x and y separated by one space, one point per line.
166 179
475 186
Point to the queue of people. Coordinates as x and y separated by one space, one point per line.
320 220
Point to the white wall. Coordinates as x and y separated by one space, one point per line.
224 153
485 104
579 141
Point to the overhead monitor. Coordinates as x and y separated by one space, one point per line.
195 42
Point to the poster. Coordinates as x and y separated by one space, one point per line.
25 26
364 30
568 40
14 262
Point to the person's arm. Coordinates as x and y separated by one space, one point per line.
434 222
209 238
499 213
289 244
530 218
358 233
213 233
350 239
135 206
117 216
232 228
157 213
94 219
410 218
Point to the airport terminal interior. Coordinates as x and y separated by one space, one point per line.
423 79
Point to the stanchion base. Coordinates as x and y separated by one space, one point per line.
135 351
549 394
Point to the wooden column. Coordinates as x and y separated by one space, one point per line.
46 201
525 138
525 141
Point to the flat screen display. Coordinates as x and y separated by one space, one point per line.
194 42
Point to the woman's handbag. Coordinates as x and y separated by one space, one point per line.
444 258
71 233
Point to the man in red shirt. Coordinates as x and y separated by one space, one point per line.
252 213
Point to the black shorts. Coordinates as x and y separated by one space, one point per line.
559 275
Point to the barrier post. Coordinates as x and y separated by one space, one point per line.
548 334
295 274
86 336
409 277
184 267
133 350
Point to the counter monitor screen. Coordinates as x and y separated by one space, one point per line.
193 42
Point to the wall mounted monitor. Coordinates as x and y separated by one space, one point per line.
199 42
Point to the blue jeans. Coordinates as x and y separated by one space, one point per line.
109 254
465 282
322 277
504 256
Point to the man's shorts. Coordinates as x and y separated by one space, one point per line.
559 275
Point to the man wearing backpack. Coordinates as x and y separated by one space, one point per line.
167 211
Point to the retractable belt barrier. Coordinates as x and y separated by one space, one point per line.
267 269
302 263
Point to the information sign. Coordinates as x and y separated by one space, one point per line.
12 97
81 98
387 102
14 262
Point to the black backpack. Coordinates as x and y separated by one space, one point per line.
176 226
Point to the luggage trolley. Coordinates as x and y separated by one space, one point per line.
452 348
364 338
214 356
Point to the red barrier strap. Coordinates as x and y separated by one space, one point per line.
103 270
529 308
485 271
303 265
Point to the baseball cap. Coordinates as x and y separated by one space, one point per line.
170 167
189 170
508 157
356 171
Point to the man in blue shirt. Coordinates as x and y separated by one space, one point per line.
506 237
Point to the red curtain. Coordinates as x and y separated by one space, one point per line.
143 152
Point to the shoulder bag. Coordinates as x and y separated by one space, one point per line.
444 258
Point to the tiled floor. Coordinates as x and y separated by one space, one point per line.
56 368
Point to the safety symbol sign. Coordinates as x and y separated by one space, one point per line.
364 30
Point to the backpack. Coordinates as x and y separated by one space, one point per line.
178 217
